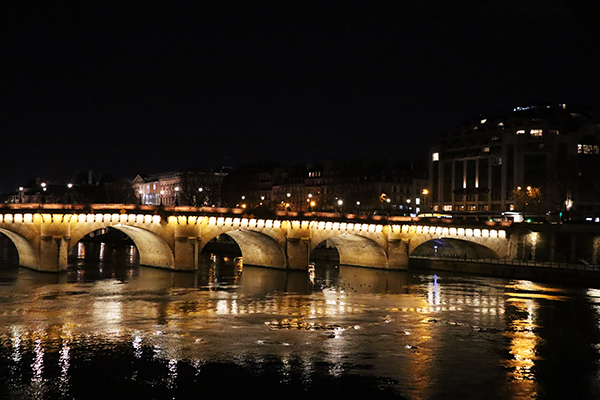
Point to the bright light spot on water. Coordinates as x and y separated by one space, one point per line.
137 345
64 361
16 343
172 367
222 307
37 366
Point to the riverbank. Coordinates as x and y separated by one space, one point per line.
545 272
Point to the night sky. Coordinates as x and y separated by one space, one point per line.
144 87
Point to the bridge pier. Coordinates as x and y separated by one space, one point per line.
297 250
186 253
397 254
54 253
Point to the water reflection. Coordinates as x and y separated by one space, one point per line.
430 336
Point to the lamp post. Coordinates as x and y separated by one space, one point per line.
69 186
176 195
425 193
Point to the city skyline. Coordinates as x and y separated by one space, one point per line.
127 90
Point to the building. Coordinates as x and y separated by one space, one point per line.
190 188
535 159
338 186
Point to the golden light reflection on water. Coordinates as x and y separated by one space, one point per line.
524 339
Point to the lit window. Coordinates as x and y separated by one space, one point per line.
521 132
447 207
588 149
417 201
486 149
554 131
535 132
435 157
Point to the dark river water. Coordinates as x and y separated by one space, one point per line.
109 329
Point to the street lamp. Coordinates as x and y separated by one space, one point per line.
425 193
176 195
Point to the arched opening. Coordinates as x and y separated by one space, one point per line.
359 251
9 256
105 253
220 263
324 265
258 249
26 255
446 248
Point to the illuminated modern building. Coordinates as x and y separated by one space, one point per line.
534 159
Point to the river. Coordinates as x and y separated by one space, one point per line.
112 329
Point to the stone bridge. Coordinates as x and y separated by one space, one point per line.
173 237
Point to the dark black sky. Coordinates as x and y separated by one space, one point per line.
141 87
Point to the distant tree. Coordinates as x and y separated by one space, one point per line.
118 191
197 189
529 198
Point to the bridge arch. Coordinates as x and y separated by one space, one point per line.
28 257
453 248
357 250
153 250
258 248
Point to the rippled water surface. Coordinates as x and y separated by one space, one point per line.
115 330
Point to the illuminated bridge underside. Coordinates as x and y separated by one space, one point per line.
27 255
153 250
360 251
446 247
259 249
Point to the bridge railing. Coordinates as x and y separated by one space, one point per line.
516 262
14 208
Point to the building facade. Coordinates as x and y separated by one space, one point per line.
535 159
180 188
342 186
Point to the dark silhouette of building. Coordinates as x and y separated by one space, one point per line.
340 186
